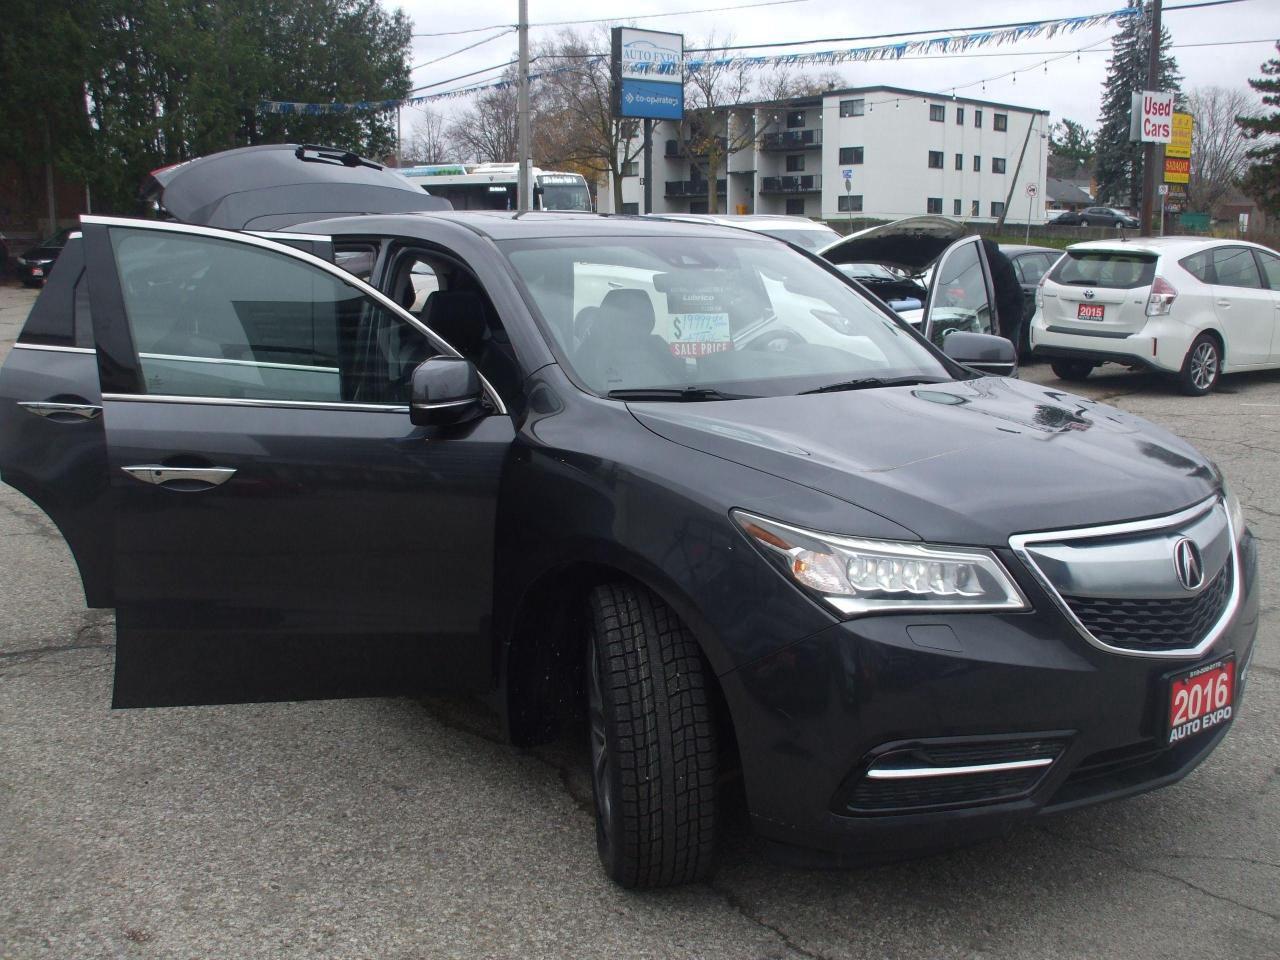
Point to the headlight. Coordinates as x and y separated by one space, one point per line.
855 576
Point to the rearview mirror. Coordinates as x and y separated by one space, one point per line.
445 391
983 351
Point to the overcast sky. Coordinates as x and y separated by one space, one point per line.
1068 88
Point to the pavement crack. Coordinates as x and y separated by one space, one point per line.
34 653
1135 867
739 906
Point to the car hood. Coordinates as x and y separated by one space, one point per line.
272 186
911 244
963 462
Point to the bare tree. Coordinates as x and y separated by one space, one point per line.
488 131
717 121
1219 148
576 126
428 143
782 83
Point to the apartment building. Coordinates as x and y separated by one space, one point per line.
904 152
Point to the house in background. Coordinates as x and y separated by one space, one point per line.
1069 195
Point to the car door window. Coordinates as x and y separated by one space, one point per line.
1234 267
1270 268
214 317
1032 267
961 299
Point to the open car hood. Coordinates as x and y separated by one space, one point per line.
911 244
275 185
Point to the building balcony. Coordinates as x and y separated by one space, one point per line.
792 140
693 188
679 149
809 183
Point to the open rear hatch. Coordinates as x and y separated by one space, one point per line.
911 244
276 185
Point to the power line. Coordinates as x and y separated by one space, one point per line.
470 46
458 33
464 76
674 13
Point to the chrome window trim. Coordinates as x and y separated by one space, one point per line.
1019 543
283 235
919 773
334 270
52 347
255 402
183 358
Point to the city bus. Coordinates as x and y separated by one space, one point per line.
492 186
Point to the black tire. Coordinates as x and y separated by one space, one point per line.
1073 370
653 741
1202 367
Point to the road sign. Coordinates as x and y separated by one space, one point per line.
847 173
1163 189
1032 190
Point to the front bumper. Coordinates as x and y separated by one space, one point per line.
813 717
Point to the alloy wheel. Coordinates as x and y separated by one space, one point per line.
1204 365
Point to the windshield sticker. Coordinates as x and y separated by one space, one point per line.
698 334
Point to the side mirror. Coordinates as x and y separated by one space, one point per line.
983 351
445 391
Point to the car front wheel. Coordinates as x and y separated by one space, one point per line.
653 741
1202 367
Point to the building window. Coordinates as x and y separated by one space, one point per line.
937 112
631 169
697 206
975 210
795 119
1000 121
977 163
959 161
850 156
933 205
955 208
850 203
795 163
959 116
852 108
935 159
997 164
997 208
977 118
631 209
795 207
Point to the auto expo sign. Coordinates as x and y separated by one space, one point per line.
1157 117
648 74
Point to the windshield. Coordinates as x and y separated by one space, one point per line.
1105 268
745 317
564 193
814 239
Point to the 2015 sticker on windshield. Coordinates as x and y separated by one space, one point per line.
698 334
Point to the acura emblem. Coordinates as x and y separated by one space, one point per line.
1088 294
1187 562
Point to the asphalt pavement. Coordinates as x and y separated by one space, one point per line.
405 829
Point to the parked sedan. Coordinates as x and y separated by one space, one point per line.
1190 308
710 552
1096 217
34 263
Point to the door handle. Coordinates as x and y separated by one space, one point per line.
181 478
62 412
1223 303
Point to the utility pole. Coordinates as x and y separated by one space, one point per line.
1149 148
524 191
648 167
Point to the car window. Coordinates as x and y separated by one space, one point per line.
213 317
1199 265
808 239
960 300
746 316
1118 270
1270 268
1235 267
357 259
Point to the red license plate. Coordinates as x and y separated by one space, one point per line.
1090 311
1201 699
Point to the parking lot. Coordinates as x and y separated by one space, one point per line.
404 829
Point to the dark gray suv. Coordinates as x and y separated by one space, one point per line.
686 487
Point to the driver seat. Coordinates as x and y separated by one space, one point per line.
621 350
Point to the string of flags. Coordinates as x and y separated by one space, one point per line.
886 51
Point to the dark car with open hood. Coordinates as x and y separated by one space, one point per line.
687 489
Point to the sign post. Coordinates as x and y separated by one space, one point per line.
847 172
647 71
1163 190
1032 191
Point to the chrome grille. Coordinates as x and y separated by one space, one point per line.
1166 623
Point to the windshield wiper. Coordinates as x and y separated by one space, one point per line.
867 383
678 394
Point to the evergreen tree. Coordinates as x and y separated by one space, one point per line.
1119 162
1262 182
